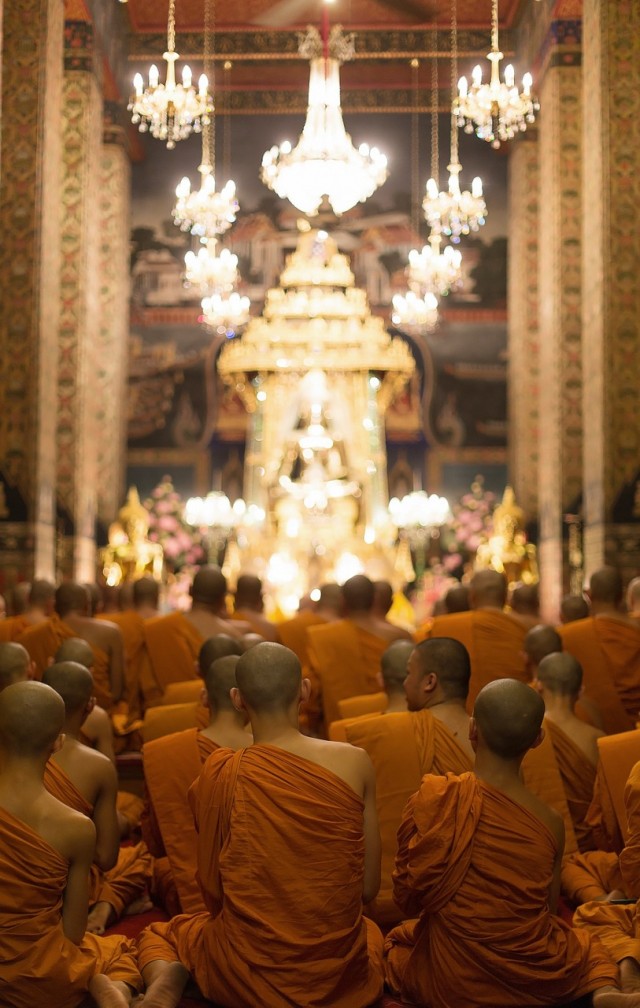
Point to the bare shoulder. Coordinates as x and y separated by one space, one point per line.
75 836
97 720
551 819
351 764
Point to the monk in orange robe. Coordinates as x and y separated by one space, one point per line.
607 645
15 664
70 620
174 641
559 680
86 781
293 632
492 637
144 594
617 924
345 656
46 850
460 868
39 607
167 825
543 640
248 607
287 850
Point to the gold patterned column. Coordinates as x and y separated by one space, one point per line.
113 335
611 305
524 339
560 292
32 46
78 386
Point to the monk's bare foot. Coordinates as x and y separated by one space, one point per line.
141 905
165 983
109 993
629 976
100 916
611 997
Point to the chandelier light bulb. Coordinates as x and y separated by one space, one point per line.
227 312
205 212
411 311
432 271
211 273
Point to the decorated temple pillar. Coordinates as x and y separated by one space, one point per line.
32 47
80 304
524 339
611 300
113 332
559 297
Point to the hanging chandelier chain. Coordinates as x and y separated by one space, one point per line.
171 27
209 130
435 153
454 80
495 46
415 148
226 121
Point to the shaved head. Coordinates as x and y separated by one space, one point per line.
561 674
457 599
508 716
14 663
605 585
448 659
249 591
72 597
573 607
209 586
145 591
394 664
488 588
72 681
75 649
216 647
382 597
330 597
42 593
525 599
220 680
31 718
540 641
269 677
250 640
358 593
20 597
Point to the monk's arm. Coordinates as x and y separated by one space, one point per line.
75 902
97 728
105 819
372 845
405 895
116 664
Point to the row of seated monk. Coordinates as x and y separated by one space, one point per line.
426 854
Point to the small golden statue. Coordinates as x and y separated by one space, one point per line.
508 551
130 554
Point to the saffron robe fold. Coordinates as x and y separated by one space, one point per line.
168 826
370 703
493 639
131 874
607 815
403 748
40 967
171 718
541 776
477 867
12 628
43 640
344 661
608 650
578 778
590 876
281 862
136 658
173 645
293 633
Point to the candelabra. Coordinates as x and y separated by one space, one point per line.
211 273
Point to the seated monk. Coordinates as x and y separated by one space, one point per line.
86 781
344 656
559 680
393 666
288 847
167 825
38 608
615 923
525 603
431 737
457 599
573 607
543 640
47 850
492 637
460 869
15 664
607 645
144 598
70 620
173 641
293 632
248 606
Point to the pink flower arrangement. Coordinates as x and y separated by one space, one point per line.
181 543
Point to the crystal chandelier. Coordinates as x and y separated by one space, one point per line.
497 110
324 163
226 312
434 271
453 212
411 311
170 111
209 272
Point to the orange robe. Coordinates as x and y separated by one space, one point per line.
607 815
493 639
131 874
485 935
609 651
578 777
293 633
370 703
171 718
403 748
173 645
168 826
280 861
12 628
541 776
344 661
39 966
136 658
43 640
258 624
